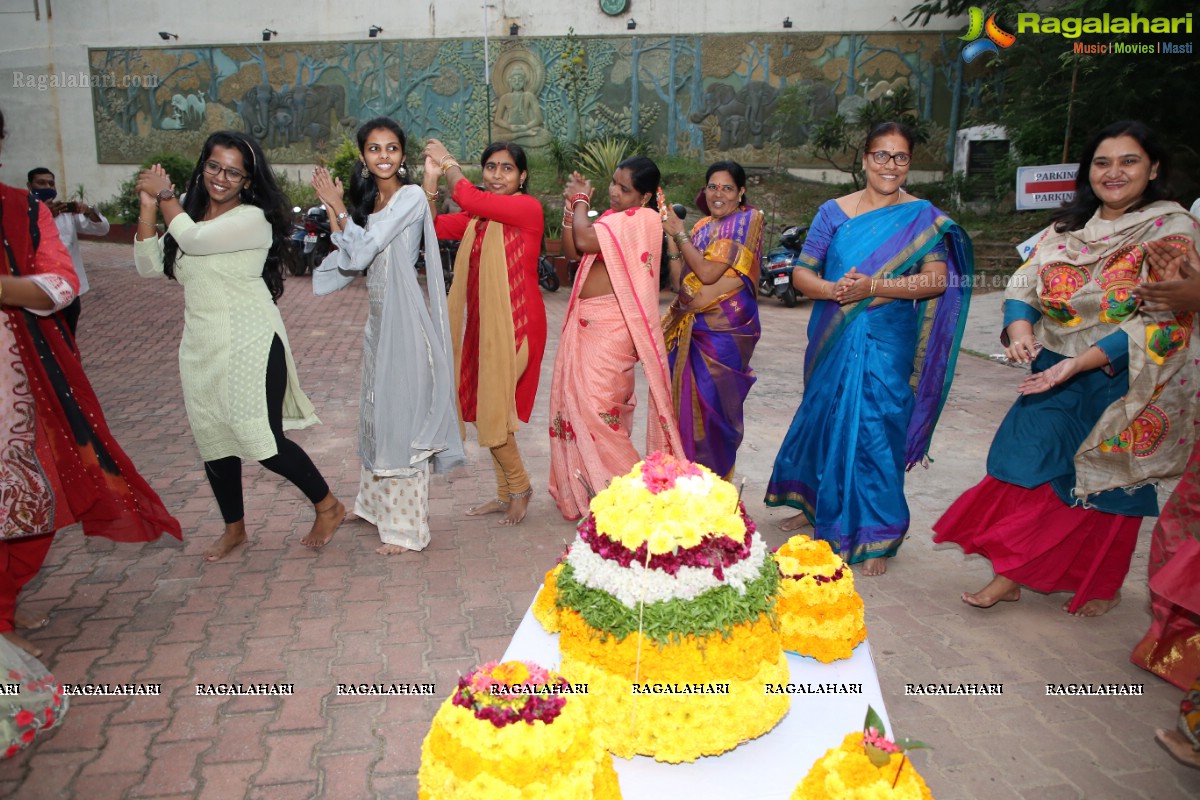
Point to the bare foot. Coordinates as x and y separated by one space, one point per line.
391 550
28 621
234 535
1179 747
490 507
1094 608
20 641
517 508
330 513
874 566
794 523
1000 589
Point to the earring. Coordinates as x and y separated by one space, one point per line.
364 172
402 170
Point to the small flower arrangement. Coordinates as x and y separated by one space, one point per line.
867 766
819 612
476 748
510 692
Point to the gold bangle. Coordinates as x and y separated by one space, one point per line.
453 163
680 238
430 195
674 256
151 223
873 282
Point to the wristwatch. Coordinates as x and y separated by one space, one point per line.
165 194
342 216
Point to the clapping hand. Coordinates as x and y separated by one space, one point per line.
152 181
576 184
852 287
1178 287
328 188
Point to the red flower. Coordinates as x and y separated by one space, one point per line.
28 735
24 717
13 675
49 715
12 751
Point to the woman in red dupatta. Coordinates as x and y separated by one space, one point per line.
58 462
497 318
612 322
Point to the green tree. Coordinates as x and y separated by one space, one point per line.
1055 99
839 140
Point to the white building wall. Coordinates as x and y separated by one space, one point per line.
41 40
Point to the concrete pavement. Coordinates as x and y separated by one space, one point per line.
275 612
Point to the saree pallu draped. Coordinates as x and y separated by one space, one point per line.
59 464
592 394
1171 648
875 378
709 348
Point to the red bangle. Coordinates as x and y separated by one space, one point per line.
580 197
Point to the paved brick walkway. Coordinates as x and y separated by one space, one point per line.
276 612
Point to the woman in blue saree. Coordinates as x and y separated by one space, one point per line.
892 276
712 327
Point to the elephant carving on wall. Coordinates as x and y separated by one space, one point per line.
279 119
255 108
743 114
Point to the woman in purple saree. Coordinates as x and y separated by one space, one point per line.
893 274
712 326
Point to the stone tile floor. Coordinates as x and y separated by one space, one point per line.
276 612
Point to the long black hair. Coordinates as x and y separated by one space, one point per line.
645 174
363 190
1074 215
518 156
263 192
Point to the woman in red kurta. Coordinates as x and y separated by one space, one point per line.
497 319
59 464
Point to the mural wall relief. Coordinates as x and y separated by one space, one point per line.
751 97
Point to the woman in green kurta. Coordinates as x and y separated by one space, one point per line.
224 245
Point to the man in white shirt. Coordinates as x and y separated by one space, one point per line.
72 218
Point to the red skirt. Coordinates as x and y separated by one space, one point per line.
1033 538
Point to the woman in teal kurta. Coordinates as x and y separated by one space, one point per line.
225 248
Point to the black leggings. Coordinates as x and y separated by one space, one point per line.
290 460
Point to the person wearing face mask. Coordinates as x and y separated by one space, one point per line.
890 275
1108 411
612 322
407 420
73 218
497 317
59 463
226 245
712 327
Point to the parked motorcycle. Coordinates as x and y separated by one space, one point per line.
547 275
311 240
777 265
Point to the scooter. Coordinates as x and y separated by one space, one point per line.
312 240
777 265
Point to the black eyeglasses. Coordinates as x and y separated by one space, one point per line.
881 157
215 169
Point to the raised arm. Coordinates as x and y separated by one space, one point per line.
578 235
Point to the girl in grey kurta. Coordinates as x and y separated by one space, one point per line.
224 247
408 423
